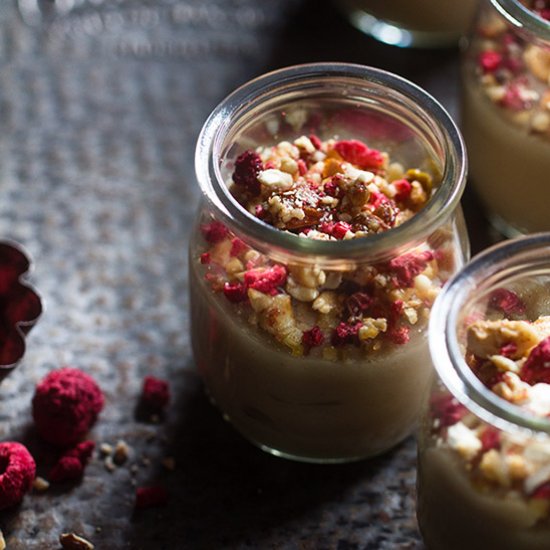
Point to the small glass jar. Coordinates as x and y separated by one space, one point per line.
423 23
484 444
328 403
506 114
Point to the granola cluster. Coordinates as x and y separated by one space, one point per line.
512 358
332 190
515 74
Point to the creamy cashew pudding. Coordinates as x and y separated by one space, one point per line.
480 487
506 121
307 362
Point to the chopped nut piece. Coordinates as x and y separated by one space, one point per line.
2 541
169 463
70 541
40 484
121 453
105 449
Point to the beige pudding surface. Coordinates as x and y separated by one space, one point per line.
421 15
303 406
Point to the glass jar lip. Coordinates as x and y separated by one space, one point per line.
214 188
522 17
505 258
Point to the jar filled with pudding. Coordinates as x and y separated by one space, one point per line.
329 221
506 112
423 23
484 446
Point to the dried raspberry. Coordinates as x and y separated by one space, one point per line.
406 267
315 141
490 61
398 335
150 497
237 247
537 366
490 439
445 408
358 303
65 405
346 334
513 98
313 337
340 229
357 153
205 258
506 301
67 468
403 188
542 491
155 393
247 167
214 232
509 349
376 200
83 451
18 470
260 211
326 227
266 280
302 167
235 292
332 188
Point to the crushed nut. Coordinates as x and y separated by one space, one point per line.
71 541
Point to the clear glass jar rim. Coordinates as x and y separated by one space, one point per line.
523 18
444 201
505 258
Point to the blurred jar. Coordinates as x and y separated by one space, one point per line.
506 113
423 23
484 448
335 397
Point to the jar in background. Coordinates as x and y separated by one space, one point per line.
423 23
484 446
506 113
314 349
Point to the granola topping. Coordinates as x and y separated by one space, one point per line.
328 190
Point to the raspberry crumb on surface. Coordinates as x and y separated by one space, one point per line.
155 393
151 497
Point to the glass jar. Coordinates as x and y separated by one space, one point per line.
506 113
423 23
484 445
315 401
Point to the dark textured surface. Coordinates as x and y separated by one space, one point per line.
100 111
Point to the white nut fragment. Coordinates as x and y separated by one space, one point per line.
463 440
372 328
310 276
258 300
540 122
275 179
289 165
303 142
504 363
494 468
40 484
300 292
325 302
512 388
537 60
333 280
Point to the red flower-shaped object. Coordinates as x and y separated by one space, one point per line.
20 306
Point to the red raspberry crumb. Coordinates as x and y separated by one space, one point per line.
509 349
67 468
302 167
490 61
346 334
237 247
326 227
445 408
404 188
260 211
214 232
235 292
247 167
332 188
315 141
406 267
358 303
513 98
357 153
18 470
340 229
65 405
205 258
155 393
313 337
377 199
542 491
266 280
398 335
506 301
537 366
151 497
490 439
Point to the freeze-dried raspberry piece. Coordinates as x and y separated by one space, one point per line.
155 393
345 333
340 229
67 468
247 167
490 439
267 280
403 188
357 153
376 200
151 497
205 258
542 491
237 247
313 337
509 349
235 292
214 232
490 61
83 451
315 141
18 470
358 303
537 366
302 167
331 187
398 335
65 405
406 267
506 301
445 408
514 99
